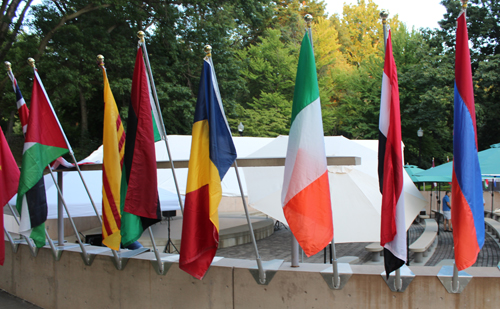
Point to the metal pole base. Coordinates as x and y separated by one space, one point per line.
166 263
270 268
445 275
406 277
345 273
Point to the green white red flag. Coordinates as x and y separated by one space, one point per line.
306 191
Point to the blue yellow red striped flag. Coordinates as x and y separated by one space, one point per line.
212 153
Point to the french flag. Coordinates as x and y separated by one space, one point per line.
390 169
467 214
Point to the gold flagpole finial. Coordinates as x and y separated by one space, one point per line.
384 15
31 62
308 18
208 50
464 4
100 60
140 35
7 66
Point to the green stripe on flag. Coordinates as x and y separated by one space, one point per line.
35 159
306 82
131 225
155 128
38 235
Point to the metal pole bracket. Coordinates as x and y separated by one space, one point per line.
344 272
122 257
166 263
445 275
406 276
270 269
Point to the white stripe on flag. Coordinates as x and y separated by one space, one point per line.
385 105
306 134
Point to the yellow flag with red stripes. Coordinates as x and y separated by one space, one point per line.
113 142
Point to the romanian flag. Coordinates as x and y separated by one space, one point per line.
212 153
306 191
140 206
113 141
44 142
9 180
467 214
390 169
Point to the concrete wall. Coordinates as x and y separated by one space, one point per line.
68 283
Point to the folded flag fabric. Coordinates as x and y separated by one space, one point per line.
139 202
306 191
212 153
392 227
113 143
467 213
9 181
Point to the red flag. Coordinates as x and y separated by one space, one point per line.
9 180
392 227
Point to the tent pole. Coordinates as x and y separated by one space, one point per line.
158 109
60 214
115 255
492 196
85 255
295 252
262 274
157 254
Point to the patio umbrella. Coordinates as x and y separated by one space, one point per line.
412 170
356 199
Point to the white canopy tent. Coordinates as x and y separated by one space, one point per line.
356 199
77 199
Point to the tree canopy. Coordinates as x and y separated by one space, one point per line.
255 52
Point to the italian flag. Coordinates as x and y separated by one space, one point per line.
306 191
44 143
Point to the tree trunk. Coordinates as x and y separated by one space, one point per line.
83 109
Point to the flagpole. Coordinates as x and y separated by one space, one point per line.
397 282
33 248
142 43
31 61
336 277
455 284
85 255
262 273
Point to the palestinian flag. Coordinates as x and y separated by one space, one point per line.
139 202
44 142
306 190
390 168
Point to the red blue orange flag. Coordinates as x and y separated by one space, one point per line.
212 153
467 214
390 169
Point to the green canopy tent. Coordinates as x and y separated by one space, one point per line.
489 161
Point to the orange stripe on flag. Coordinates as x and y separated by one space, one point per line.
311 226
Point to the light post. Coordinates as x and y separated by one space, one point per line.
241 127
420 134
